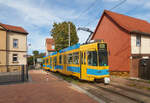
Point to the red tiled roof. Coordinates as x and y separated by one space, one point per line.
49 43
13 28
128 23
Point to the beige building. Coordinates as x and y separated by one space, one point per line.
13 47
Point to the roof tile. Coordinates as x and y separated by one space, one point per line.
129 23
13 28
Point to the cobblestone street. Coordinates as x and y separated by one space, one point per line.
43 89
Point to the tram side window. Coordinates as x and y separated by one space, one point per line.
92 58
60 59
64 59
76 58
50 60
69 58
84 57
81 58
55 60
43 61
46 61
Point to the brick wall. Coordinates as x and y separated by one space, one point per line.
119 44
134 69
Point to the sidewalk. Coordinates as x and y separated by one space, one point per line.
43 89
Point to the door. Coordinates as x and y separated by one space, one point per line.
53 63
83 62
64 64
144 69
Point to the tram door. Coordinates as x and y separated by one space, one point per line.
83 65
54 62
64 64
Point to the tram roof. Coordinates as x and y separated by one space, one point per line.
76 46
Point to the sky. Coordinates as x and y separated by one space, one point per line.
37 16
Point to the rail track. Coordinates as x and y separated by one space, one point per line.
117 94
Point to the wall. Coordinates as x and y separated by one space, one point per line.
2 39
22 40
118 43
2 58
21 50
2 50
145 45
21 59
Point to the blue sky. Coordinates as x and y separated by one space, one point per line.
38 16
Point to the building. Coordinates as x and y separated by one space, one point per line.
50 46
128 41
13 47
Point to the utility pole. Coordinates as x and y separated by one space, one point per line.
69 32
34 60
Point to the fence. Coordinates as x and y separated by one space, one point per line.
17 75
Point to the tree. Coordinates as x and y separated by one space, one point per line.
30 60
59 33
35 53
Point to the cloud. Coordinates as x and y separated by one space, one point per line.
37 41
110 0
84 1
32 13
36 19
37 16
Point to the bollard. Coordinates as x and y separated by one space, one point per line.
47 77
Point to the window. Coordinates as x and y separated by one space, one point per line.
53 46
60 59
43 61
46 61
15 57
138 40
76 58
103 58
69 58
84 57
81 57
55 60
64 59
50 60
15 43
92 58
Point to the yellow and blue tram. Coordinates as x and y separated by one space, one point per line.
87 61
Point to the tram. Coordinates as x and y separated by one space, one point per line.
86 62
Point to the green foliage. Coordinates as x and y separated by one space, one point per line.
40 55
30 60
60 34
35 53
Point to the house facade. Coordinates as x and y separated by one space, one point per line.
128 41
50 46
13 48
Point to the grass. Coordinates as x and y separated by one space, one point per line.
140 80
139 87
148 88
70 79
132 85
